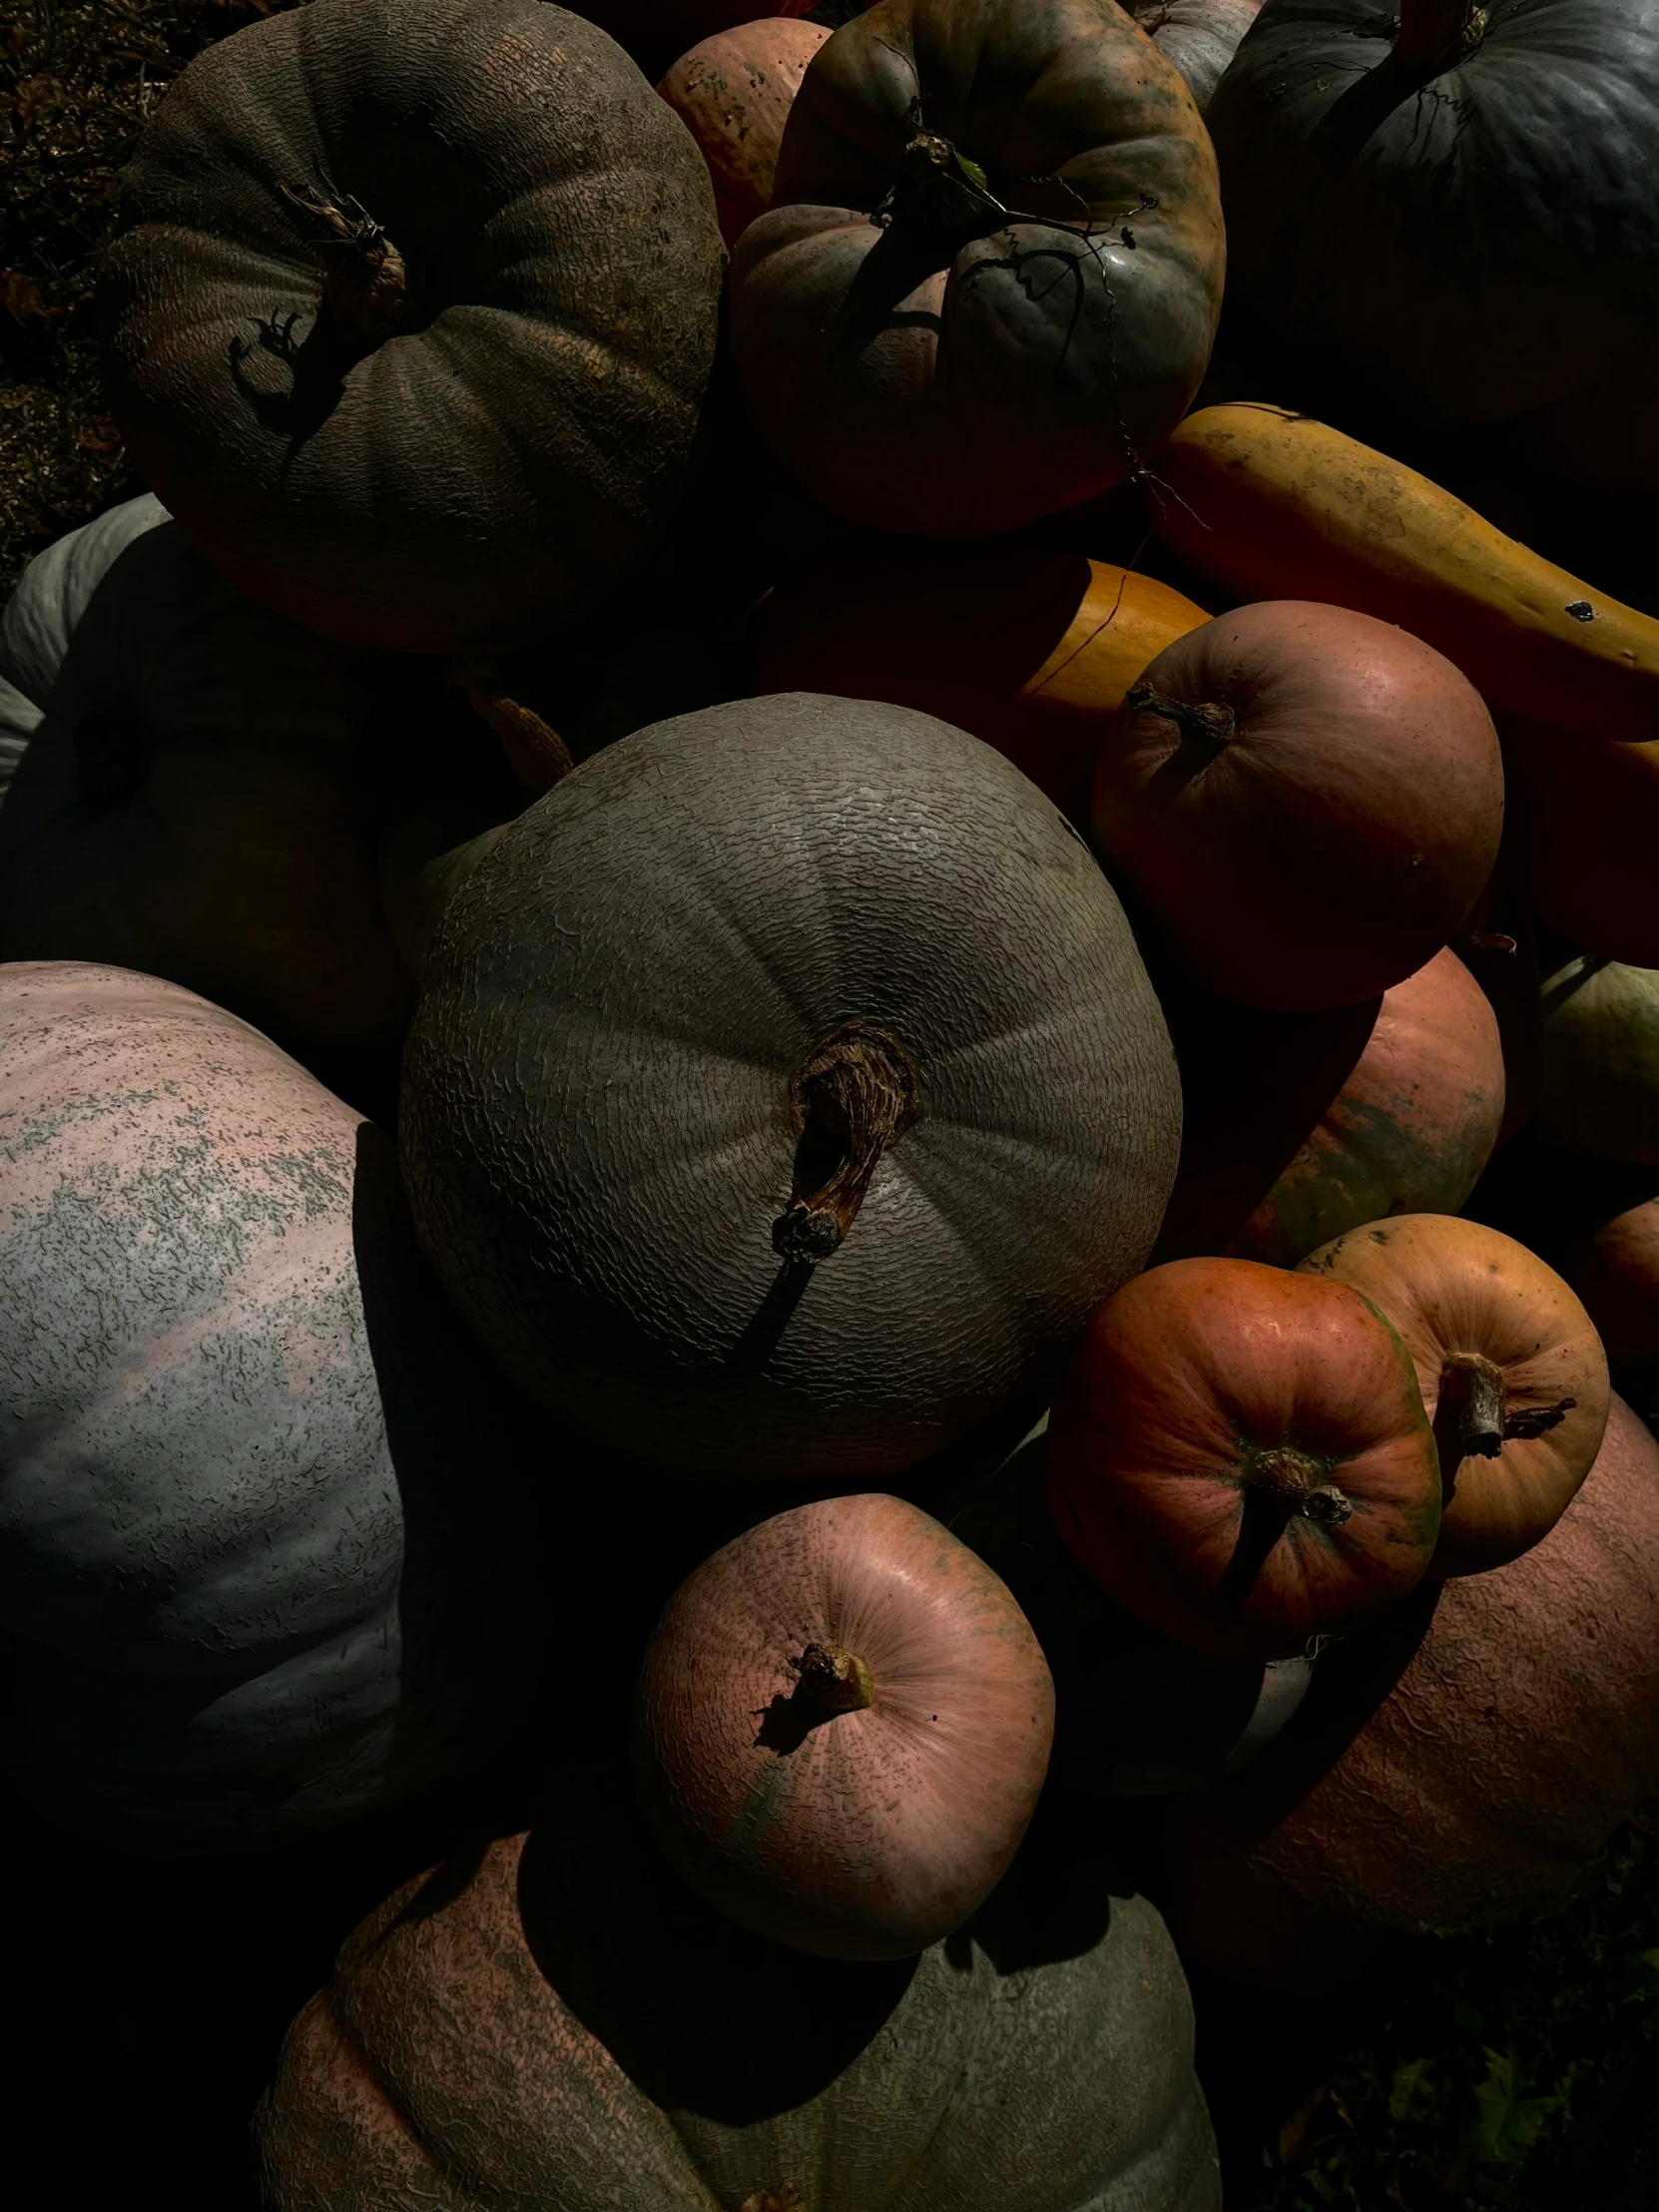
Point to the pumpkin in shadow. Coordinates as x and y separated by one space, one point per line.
276 1546
555 2018
411 315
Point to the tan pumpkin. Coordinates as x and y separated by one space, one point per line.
734 92
1512 1374
905 1715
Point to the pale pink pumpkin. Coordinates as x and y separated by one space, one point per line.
843 1724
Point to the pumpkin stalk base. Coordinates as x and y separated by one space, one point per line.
1296 1483
1475 1386
1436 35
366 282
856 1093
1211 723
536 753
837 1680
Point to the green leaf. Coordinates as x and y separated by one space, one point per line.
1507 2122
1411 2093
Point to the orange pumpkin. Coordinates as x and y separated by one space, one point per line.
1460 1765
1512 1371
1299 1126
1240 1458
904 1713
1308 803
1027 647
734 92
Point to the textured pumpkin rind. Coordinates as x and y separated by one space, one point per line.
733 93
1470 245
879 1830
1460 1765
251 1483
497 463
227 851
1199 36
1025 647
486 2037
933 387
1413 1124
596 1126
1270 504
1452 1287
1190 1374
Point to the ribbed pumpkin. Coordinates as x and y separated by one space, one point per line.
276 1547
192 786
1240 1458
554 2021
1134 1714
1027 647
1300 1125
1598 1090
1511 1369
411 312
905 1713
1307 802
734 92
787 1090
989 280
1460 1765
1199 36
1443 217
653 31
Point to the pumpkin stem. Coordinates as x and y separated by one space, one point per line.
1296 1481
365 279
850 1098
536 753
837 1680
1536 1420
1208 723
1436 35
1475 1385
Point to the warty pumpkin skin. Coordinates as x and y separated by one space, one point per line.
1444 218
1269 504
1199 36
1027 647
1307 802
649 1016
468 422
733 93
1512 1371
1463 1764
1598 1088
905 1712
277 1547
1246 1466
1300 1126
190 790
556 2021
1134 1714
655 31
1000 350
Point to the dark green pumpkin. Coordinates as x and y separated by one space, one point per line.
1442 214
411 312
622 1126
1598 1090
554 2022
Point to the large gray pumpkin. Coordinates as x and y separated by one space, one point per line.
411 312
626 1089
275 1544
554 2023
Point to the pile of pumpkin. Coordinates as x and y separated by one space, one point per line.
1041 1167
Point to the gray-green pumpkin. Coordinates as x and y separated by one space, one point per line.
736 974
555 2022
1598 1090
